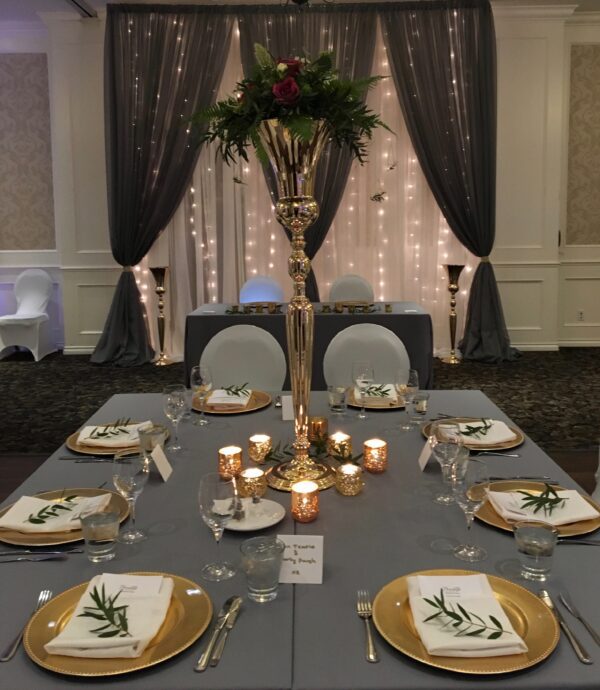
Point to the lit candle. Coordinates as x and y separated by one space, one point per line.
348 479
375 455
230 461
252 483
305 501
340 444
258 447
317 428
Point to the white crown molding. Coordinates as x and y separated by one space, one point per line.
545 12
586 18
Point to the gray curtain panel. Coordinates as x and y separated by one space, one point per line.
443 61
162 64
290 31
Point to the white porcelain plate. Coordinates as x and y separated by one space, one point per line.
257 516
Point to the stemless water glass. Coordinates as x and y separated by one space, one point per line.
217 500
470 482
446 443
407 389
201 385
130 474
175 405
363 376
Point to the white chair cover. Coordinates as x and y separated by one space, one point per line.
245 354
261 289
382 347
351 288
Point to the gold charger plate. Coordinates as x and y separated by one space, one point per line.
520 437
187 618
117 503
72 444
352 402
258 400
488 514
529 616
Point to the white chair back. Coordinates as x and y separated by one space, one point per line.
245 354
382 347
351 288
261 289
33 289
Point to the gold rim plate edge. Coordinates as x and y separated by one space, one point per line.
505 445
117 503
258 400
489 516
189 615
73 445
392 406
530 617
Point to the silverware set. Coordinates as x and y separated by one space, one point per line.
225 622
44 597
364 609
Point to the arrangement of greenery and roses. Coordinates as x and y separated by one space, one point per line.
297 92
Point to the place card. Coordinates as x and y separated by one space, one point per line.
287 408
424 456
162 464
302 560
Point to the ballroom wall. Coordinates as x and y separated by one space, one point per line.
544 287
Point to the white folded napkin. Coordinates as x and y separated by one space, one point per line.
223 400
498 433
474 594
122 437
509 504
147 598
57 516
374 400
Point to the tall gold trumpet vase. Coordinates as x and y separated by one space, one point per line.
159 273
294 163
454 271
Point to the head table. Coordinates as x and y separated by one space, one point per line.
310 637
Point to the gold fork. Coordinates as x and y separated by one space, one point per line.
365 611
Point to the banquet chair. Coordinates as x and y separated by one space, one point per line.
365 341
245 354
30 326
261 289
351 288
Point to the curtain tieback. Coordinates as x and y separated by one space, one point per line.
127 268
484 259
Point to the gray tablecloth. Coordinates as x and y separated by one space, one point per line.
409 321
309 638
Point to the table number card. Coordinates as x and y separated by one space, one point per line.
162 464
302 559
424 456
287 408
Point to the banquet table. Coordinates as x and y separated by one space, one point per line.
408 320
310 637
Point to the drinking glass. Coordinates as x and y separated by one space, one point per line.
337 399
175 405
151 436
470 482
100 532
535 544
407 389
201 385
130 474
217 500
261 562
446 443
363 376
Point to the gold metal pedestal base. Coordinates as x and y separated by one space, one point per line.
453 359
283 476
162 361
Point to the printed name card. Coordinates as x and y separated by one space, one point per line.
302 559
162 464
287 408
424 456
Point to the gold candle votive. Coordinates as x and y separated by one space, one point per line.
317 428
230 461
348 479
258 447
375 455
340 444
252 483
305 501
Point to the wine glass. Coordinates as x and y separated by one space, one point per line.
446 444
218 501
201 385
470 482
130 474
174 406
407 388
363 376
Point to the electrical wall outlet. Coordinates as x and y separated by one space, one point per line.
580 315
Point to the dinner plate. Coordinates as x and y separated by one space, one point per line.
520 437
188 616
258 400
488 514
352 402
117 503
73 444
257 516
530 617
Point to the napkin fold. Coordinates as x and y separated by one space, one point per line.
373 400
475 595
125 437
62 519
224 401
498 433
147 598
508 504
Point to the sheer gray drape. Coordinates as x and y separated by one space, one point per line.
443 61
155 79
285 32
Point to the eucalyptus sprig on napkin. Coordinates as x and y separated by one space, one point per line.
111 430
547 501
378 391
237 391
51 511
106 611
477 431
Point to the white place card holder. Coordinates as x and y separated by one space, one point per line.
162 464
424 456
302 560
287 408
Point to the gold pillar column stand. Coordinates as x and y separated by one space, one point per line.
159 274
454 271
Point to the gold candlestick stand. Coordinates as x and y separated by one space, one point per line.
159 273
454 271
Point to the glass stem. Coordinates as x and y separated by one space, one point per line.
131 502
175 432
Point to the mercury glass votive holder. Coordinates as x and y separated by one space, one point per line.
305 501
375 455
340 444
230 461
317 428
252 483
348 479
259 446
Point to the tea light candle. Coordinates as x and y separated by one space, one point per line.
375 455
252 483
348 479
230 461
340 444
305 501
258 447
317 428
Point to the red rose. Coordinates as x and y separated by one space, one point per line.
286 92
293 65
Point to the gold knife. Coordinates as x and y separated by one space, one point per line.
221 620
234 611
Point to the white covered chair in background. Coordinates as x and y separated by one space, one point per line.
351 288
365 341
30 326
245 354
261 289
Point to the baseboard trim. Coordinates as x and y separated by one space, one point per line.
78 349
579 343
533 347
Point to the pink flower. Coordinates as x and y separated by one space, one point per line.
293 65
286 92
